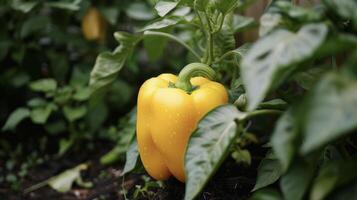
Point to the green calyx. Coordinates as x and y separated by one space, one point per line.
193 70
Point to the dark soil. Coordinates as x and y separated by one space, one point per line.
230 182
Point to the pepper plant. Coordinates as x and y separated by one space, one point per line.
302 69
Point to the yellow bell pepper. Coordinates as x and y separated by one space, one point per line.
93 25
167 115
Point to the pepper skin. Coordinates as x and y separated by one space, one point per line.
166 118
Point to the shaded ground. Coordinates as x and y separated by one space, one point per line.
231 182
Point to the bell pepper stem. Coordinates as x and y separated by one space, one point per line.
193 70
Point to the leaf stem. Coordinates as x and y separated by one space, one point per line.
228 53
176 39
263 112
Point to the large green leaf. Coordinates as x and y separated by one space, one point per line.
273 57
345 8
330 111
269 171
209 145
15 118
333 175
284 139
296 181
108 65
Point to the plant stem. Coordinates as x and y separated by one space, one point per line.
210 49
169 36
263 112
204 59
209 41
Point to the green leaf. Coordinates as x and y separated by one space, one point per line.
74 113
132 157
15 118
44 85
24 6
33 25
82 94
308 78
242 156
274 104
64 146
64 181
108 65
113 155
269 171
201 5
67 5
139 11
272 57
155 45
96 116
266 194
162 23
209 145
39 115
296 181
337 43
293 11
242 23
287 15
36 102
268 22
330 111
164 7
344 8
56 127
110 14
331 176
63 95
242 50
284 139
226 6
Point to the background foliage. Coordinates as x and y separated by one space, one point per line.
292 91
